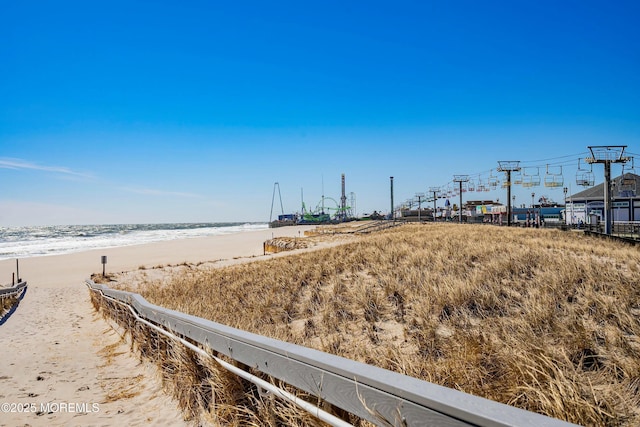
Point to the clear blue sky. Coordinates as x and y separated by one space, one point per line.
116 112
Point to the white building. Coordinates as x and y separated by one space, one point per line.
589 204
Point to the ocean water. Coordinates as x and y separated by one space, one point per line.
23 242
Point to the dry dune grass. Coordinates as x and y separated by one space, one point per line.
543 320
6 304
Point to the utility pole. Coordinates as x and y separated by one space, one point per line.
435 191
607 154
420 196
460 179
393 215
568 219
343 202
508 166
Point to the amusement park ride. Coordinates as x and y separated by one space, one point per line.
527 177
327 210
330 210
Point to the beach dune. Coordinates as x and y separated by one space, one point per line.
63 364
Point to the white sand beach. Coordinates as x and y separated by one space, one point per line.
63 364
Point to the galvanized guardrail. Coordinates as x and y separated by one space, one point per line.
628 232
378 225
378 395
13 290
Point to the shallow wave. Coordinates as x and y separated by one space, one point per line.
24 242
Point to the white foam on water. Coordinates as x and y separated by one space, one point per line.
24 242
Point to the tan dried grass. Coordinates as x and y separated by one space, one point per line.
121 388
540 319
6 304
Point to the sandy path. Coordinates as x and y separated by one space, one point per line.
58 351
65 365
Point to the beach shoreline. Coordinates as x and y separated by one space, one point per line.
63 269
65 364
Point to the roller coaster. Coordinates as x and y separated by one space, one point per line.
324 213
328 210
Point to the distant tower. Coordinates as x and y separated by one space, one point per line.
352 205
343 202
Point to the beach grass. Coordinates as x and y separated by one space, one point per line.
7 303
544 320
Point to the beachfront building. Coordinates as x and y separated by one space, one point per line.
587 207
487 211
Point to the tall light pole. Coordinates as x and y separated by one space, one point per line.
533 208
565 190
607 154
393 216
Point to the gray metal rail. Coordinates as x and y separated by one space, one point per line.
13 290
17 291
378 226
378 395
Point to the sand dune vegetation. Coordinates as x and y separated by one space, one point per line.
544 320
6 305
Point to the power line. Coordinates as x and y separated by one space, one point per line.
556 158
545 163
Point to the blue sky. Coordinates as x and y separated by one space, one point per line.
119 112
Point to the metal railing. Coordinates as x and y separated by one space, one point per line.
378 226
377 395
13 290
628 231
17 292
